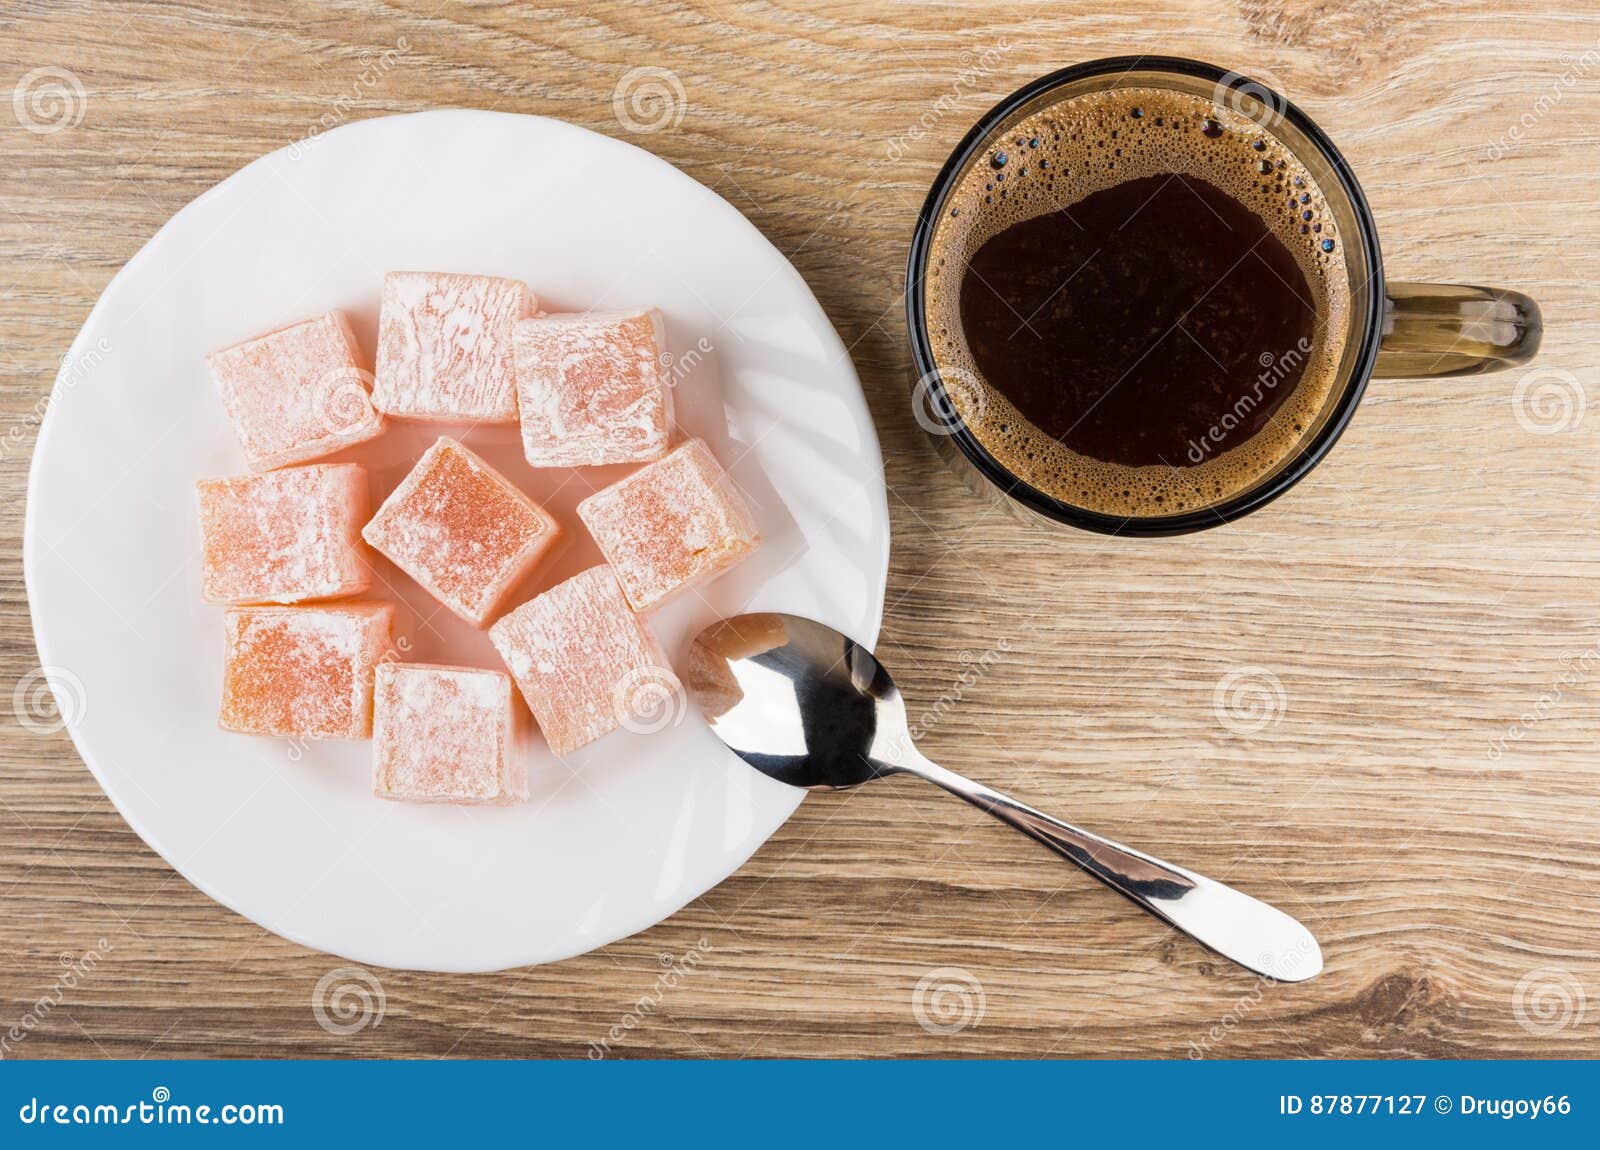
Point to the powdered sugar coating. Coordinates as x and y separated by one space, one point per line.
297 393
284 536
445 735
592 388
444 346
673 524
304 672
461 530
575 652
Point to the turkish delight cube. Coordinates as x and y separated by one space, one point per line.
592 388
297 393
586 664
302 671
673 524
444 346
445 735
284 536
461 530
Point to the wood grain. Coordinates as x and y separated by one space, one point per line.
1416 599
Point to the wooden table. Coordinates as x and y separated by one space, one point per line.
1419 616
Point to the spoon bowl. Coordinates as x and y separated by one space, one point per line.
797 700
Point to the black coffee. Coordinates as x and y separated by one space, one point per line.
1124 325
1137 301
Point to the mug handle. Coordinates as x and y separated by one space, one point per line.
1455 329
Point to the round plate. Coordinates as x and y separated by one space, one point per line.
614 838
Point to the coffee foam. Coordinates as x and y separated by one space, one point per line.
1089 143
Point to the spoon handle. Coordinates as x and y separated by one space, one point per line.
1251 933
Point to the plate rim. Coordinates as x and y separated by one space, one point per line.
871 448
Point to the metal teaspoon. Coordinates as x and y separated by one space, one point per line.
809 707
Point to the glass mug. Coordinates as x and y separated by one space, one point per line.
1396 329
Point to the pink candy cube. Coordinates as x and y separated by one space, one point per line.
297 393
445 735
284 536
444 346
673 524
461 530
585 663
302 671
592 388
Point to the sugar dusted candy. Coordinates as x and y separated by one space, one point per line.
297 393
284 536
461 530
585 662
592 388
673 524
444 346
445 735
302 671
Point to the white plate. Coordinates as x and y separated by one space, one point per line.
618 836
